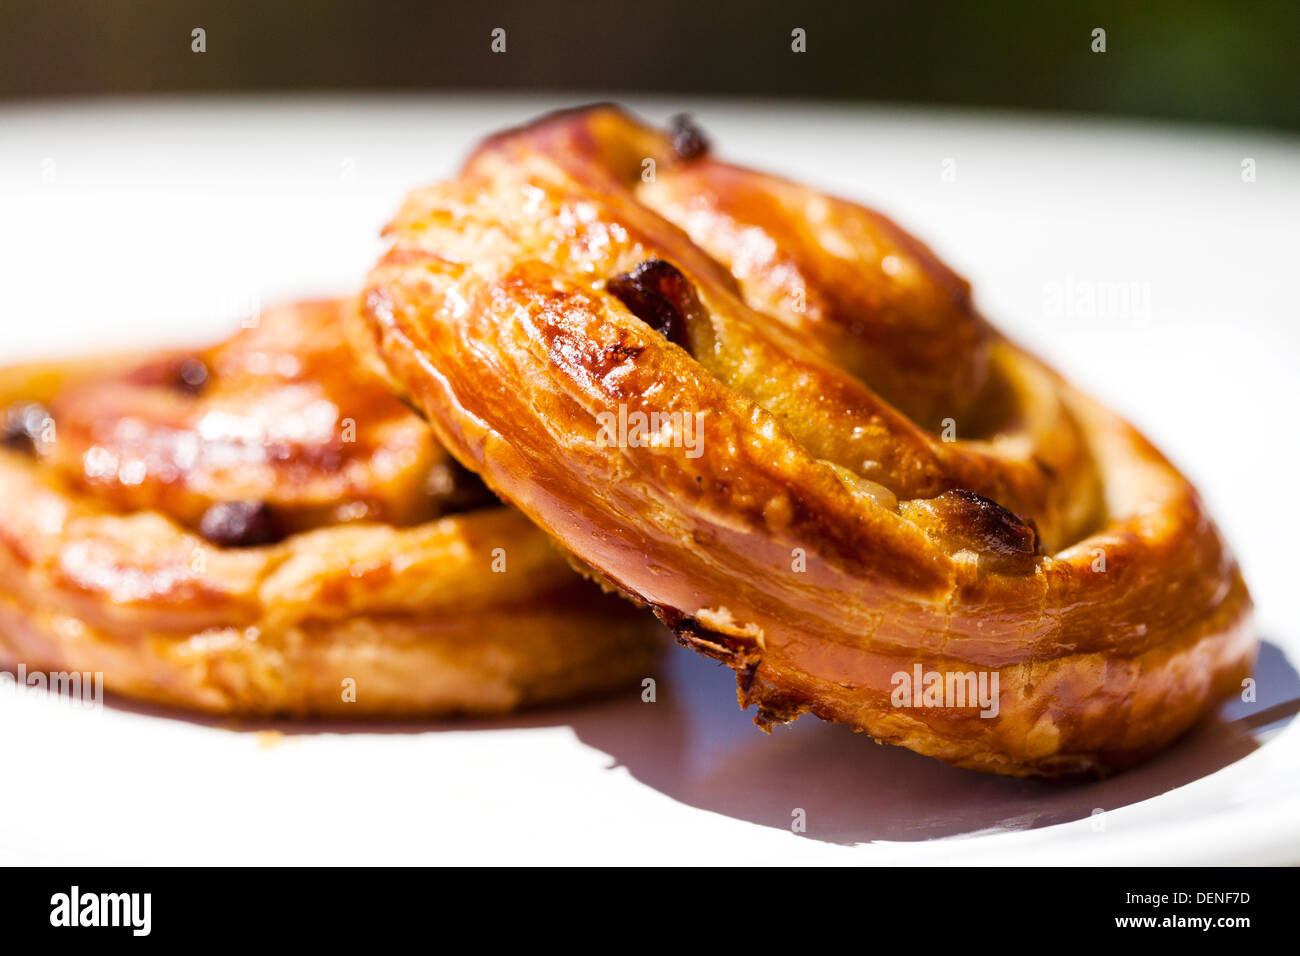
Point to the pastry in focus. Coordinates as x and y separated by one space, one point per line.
777 419
262 528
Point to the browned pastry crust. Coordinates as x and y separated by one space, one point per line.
386 596
824 537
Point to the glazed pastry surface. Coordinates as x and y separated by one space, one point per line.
262 528
778 420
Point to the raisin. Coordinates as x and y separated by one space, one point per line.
659 295
989 526
240 524
689 141
191 376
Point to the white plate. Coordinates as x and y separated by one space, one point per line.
131 223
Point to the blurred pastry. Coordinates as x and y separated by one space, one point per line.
261 528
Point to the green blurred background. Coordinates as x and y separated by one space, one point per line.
1191 60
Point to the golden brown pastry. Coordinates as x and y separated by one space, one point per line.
777 419
262 528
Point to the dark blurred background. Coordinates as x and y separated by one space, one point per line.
1189 60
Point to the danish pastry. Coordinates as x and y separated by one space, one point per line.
262 528
778 420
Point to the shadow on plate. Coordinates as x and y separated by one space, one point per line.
695 745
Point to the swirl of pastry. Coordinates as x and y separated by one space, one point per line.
777 419
262 528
